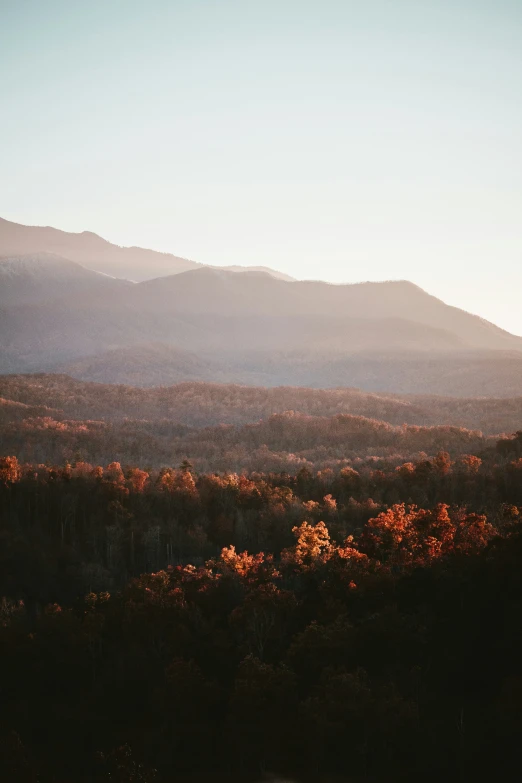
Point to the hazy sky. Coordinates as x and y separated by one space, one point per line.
341 140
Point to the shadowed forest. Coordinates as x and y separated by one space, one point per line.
330 592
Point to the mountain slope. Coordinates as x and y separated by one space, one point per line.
266 269
460 373
151 364
210 291
41 277
209 324
44 336
492 373
90 250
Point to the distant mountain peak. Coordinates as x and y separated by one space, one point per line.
94 252
260 269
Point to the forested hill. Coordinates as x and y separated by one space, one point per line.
199 404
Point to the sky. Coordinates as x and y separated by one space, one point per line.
336 139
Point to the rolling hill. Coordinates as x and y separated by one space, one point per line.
199 404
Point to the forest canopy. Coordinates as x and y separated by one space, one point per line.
314 592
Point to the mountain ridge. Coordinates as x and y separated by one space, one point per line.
93 251
214 324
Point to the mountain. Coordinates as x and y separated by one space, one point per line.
93 252
266 269
90 250
45 335
215 292
217 325
41 277
213 308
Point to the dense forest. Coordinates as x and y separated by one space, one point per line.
238 428
208 404
331 592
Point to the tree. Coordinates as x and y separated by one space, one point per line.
313 544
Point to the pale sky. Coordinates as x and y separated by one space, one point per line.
345 140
